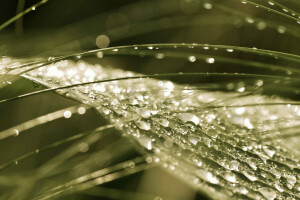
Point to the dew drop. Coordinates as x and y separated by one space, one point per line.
281 29
212 133
160 56
81 110
146 142
163 122
100 54
291 179
241 89
149 159
16 132
249 20
188 117
207 176
67 114
268 193
193 140
207 6
261 25
229 176
210 60
102 41
192 58
144 113
83 147
250 176
269 152
252 163
143 125
131 164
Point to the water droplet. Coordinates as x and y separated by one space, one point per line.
207 141
67 114
252 162
259 83
114 102
268 193
249 20
193 140
207 6
149 159
261 25
81 110
100 54
188 117
207 176
291 179
146 142
16 132
210 60
143 125
212 133
163 122
278 186
250 175
83 147
269 152
240 110
231 177
271 3
144 113
102 41
131 164
192 58
160 55
281 29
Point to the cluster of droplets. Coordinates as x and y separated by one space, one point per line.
193 132
275 7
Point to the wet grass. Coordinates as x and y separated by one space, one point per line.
223 120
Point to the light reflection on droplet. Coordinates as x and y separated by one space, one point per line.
100 54
160 56
83 147
81 110
268 193
102 41
67 114
207 6
210 60
281 29
192 58
188 117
